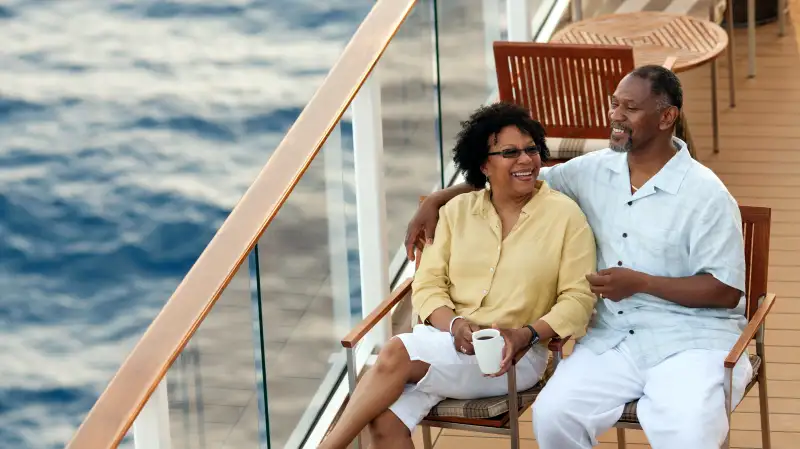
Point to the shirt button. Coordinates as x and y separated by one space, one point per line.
630 202
630 331
484 292
624 235
619 263
491 269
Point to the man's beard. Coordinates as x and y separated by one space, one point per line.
624 148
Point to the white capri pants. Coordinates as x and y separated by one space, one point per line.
454 375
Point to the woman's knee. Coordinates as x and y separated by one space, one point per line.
393 358
387 427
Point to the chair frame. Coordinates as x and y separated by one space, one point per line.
759 304
751 35
541 93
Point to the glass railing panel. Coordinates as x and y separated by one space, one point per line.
466 30
585 9
410 118
156 129
309 278
214 388
127 441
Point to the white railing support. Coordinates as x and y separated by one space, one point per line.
577 10
519 21
491 33
371 203
151 428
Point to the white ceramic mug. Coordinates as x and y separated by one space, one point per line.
488 344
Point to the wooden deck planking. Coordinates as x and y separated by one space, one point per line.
760 163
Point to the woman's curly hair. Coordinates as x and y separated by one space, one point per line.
472 142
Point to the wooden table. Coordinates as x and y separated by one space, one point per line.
654 37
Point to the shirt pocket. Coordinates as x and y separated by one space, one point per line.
659 251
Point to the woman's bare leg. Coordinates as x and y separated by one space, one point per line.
388 432
379 389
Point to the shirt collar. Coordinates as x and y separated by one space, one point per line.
670 177
484 202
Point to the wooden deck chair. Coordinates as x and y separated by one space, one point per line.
568 88
756 224
496 415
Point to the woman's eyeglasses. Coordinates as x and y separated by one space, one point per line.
513 153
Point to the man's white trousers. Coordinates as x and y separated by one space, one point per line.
681 400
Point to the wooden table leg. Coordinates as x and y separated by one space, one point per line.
714 106
731 53
751 38
781 18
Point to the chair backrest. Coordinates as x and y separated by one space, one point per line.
566 87
755 226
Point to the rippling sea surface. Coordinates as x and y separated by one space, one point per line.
128 130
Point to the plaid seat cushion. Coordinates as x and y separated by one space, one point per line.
629 413
485 407
562 148
490 407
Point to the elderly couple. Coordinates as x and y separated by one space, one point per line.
642 226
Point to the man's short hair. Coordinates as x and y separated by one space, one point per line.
663 82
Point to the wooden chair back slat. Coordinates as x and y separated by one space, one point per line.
566 87
756 229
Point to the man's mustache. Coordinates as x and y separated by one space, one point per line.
620 126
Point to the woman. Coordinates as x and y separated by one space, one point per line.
513 255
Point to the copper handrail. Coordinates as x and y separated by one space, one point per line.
126 394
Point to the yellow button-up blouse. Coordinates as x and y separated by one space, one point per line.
538 271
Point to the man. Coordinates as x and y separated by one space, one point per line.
671 279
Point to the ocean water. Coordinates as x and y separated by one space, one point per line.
128 130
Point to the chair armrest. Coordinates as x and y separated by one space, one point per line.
358 332
669 62
520 354
750 331
557 344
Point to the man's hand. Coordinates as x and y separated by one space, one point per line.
462 333
421 228
617 284
516 339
